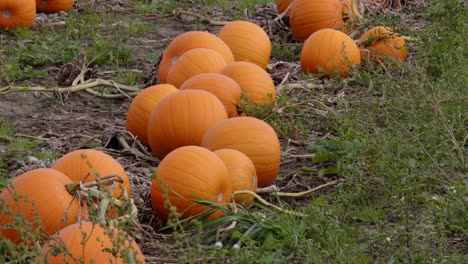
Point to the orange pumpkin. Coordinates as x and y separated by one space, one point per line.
309 16
193 62
84 164
379 43
248 42
187 41
242 172
185 175
40 198
17 13
223 87
282 5
182 119
87 242
329 51
53 6
251 136
253 80
140 109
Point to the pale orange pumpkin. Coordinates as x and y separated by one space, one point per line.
381 42
85 164
194 62
282 5
248 42
181 119
187 41
253 80
226 89
251 136
17 13
242 172
309 16
53 6
140 109
329 52
185 175
40 198
87 242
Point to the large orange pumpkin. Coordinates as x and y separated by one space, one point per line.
187 41
140 109
84 164
17 13
248 42
53 6
242 172
329 51
251 136
185 175
194 62
226 89
182 119
253 80
282 5
381 42
40 198
309 16
87 242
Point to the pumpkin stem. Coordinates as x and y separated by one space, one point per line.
264 202
273 190
355 11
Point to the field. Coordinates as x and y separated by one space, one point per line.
388 146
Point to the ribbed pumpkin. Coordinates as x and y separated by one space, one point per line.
248 42
187 41
309 16
140 109
79 164
181 119
17 13
40 198
381 42
242 172
329 51
253 80
282 5
251 136
194 62
53 6
185 175
86 242
226 89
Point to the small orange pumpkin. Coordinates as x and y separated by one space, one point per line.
251 136
253 80
329 51
381 42
225 88
187 41
309 16
242 171
39 197
181 119
248 42
193 62
54 6
17 14
185 175
140 109
87 242
84 164
282 5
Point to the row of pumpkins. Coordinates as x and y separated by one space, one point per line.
22 13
